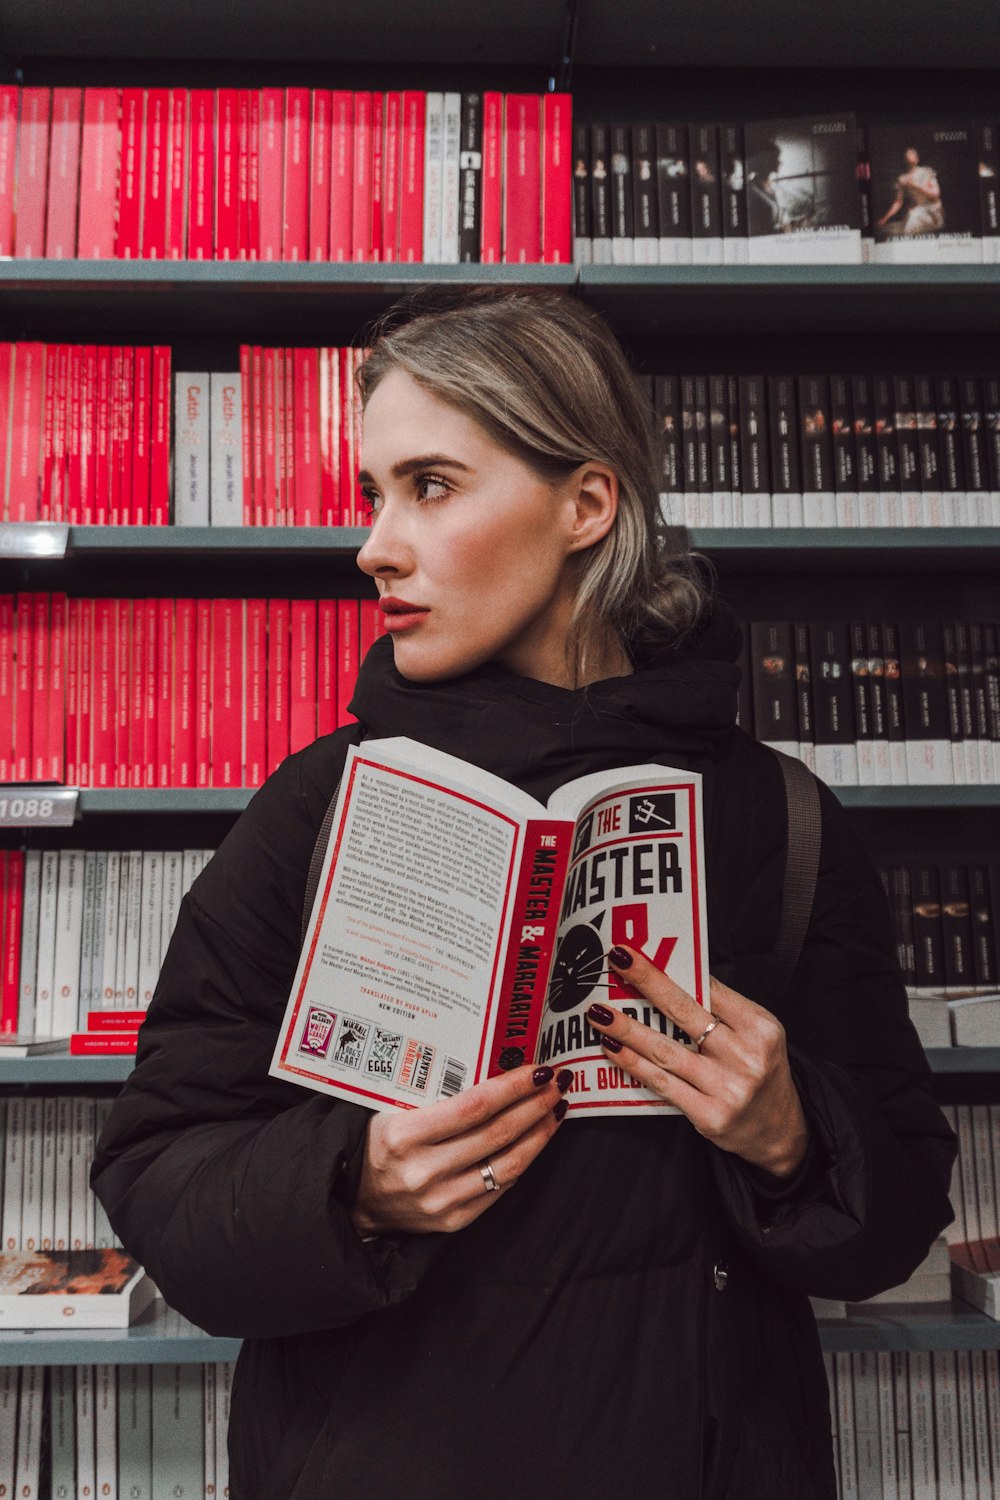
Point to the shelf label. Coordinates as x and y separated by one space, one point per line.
33 539
38 806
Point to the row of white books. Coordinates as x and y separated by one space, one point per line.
897 511
967 1018
138 1432
974 1237
48 1143
916 1426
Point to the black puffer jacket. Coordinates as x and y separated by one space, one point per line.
573 1341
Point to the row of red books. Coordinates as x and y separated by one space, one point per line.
172 692
285 174
85 434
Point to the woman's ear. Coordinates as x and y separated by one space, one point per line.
594 493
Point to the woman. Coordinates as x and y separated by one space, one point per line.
918 191
629 1310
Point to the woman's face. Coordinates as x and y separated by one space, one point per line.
469 549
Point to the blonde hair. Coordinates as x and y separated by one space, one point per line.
548 381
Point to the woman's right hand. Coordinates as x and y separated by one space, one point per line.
421 1170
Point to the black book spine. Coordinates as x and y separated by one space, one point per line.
950 449
744 692
952 696
877 701
816 449
755 465
984 937
991 415
905 414
980 713
894 724
925 701
622 212
673 190
865 451
885 447
703 447
734 201
974 447
470 168
865 183
928 448
928 942
956 927
966 704
583 215
863 732
689 422
803 693
775 719
902 912
718 407
989 167
668 417
845 475
706 198
600 192
644 206
833 708
991 662
735 466
786 478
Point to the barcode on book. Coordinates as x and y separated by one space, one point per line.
453 1077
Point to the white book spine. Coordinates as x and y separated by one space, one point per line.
191 448
64 1173
178 1473
86 1457
845 1429
966 1430
48 1182
922 1426
433 178
967 1167
982 1151
133 928
29 1433
62 1422
981 1424
450 178
208 1394
904 1461
46 943
31 1193
118 987
223 1389
10 1386
95 992
991 1365
109 943
864 1369
150 927
81 1219
135 1432
887 1425
13 1173
172 891
104 1235
29 941
87 937
949 1462
831 1386
226 448
69 934
106 1432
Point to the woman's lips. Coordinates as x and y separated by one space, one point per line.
400 614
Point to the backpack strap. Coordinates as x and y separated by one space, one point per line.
316 863
805 822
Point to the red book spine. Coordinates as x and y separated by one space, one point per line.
39 763
201 176
326 667
341 167
357 360
295 230
257 433
123 702
135 729
164 680
255 696
49 483
203 693
74 447
102 438
72 728
10 977
32 172
361 203
85 745
227 692
270 438
378 170
557 179
177 173
243 174
88 415
8 163
277 682
319 187
64 174
115 437
59 354
345 359
491 236
103 1044
105 691
284 429
302 704
307 459
56 690
23 654
97 233
150 692
227 228
411 178
253 179
8 636
141 434
114 1020
156 185
26 432
246 432
522 186
130 176
347 657
126 434
6 400
185 632
159 446
272 171
391 162
368 626
328 395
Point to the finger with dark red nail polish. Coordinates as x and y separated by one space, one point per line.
620 958
560 1109
600 1014
611 1043
542 1076
564 1079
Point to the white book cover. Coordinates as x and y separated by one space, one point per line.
64 1173
887 1426
433 178
109 943
86 1457
135 1432
975 1020
982 1151
981 1423
226 440
173 869
104 1235
87 936
223 1391
95 990
72 1289
991 1365
967 1164
62 1426
118 993
191 448
904 1459
46 944
10 1385
29 1433
69 933
922 1426
450 178
867 1447
133 928
150 926
208 1396
845 1428
31 1192
105 1432
48 1189
966 1429
178 1472
81 1218
949 1462
13 1173
31 900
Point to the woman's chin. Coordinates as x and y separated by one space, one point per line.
419 664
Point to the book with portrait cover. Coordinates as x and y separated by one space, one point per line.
925 194
483 943
803 200
86 1288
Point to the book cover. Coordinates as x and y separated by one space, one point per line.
177 173
951 454
326 667
227 219
804 693
674 195
142 375
521 182
622 198
775 713
271 172
307 478
278 662
319 181
203 643
32 172
755 458
645 207
786 476
802 199
130 173
861 694
889 509
243 236
201 176
583 248
227 692
667 395
361 190
185 632
227 457
819 504
925 704
732 164
26 428
833 708
392 163
557 166
295 221
977 478
255 694
845 479
192 466
64 174
718 436
9 97
412 171
470 179
156 184
433 178
928 450
925 193
377 173
451 150
706 195
90 1288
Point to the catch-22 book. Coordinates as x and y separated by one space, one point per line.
460 927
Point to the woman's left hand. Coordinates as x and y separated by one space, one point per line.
737 1090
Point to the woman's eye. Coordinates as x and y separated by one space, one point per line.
371 501
431 487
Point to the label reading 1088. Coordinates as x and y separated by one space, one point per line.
38 807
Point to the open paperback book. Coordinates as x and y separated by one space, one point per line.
460 927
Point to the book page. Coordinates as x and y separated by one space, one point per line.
399 978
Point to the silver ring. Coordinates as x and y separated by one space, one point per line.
489 1180
707 1032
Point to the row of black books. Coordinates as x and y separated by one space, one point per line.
811 190
878 703
828 450
946 919
101 1430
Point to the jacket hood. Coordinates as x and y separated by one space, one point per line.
678 704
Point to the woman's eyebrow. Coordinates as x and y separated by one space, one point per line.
407 466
